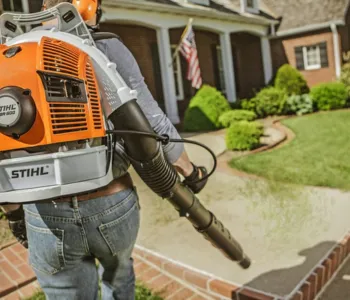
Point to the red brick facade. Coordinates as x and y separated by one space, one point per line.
283 52
142 42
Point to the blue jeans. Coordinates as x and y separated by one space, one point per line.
66 239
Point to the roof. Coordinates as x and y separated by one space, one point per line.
296 14
228 7
292 15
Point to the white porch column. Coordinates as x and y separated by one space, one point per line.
267 61
168 80
25 6
227 61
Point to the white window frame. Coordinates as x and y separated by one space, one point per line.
246 8
221 68
178 74
200 2
308 66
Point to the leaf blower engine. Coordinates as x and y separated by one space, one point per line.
62 103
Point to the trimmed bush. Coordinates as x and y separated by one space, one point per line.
291 80
227 118
204 110
244 135
249 104
328 96
299 104
270 101
345 77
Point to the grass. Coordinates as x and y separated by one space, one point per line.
317 156
141 293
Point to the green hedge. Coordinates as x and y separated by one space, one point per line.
204 110
291 80
299 104
269 101
328 96
227 118
244 135
345 77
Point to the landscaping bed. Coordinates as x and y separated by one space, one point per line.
317 156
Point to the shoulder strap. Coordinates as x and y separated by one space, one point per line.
104 36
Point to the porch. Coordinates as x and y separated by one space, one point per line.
234 54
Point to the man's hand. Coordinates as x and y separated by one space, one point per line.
191 181
17 225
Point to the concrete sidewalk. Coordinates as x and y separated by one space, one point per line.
285 229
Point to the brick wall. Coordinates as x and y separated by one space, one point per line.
283 52
142 42
205 41
248 63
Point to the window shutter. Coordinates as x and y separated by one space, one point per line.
323 54
299 57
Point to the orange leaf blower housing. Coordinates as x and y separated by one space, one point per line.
51 95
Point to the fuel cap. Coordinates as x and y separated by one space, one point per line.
12 51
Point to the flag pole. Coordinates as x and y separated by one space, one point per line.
178 45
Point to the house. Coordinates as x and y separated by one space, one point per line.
241 43
312 36
232 41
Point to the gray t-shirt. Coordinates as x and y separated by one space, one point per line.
129 70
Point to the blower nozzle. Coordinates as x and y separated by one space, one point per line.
148 160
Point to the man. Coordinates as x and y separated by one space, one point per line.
65 236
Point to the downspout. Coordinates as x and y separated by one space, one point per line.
336 50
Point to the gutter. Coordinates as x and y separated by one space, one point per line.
336 49
307 28
193 12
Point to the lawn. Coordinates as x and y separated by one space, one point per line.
318 155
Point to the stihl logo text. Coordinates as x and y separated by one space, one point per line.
6 110
31 172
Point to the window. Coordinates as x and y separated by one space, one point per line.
250 3
311 57
200 2
12 5
251 6
221 71
177 74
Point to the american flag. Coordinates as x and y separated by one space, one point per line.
188 49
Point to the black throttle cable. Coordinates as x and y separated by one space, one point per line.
165 139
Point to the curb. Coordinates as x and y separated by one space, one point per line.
309 288
174 280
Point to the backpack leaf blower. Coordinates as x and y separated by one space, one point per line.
58 96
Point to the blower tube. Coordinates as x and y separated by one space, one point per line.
148 159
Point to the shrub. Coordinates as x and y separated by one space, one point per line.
227 118
249 104
345 77
299 104
328 96
270 101
244 135
204 110
291 80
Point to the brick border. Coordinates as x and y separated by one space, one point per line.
176 281
311 286
212 285
323 273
